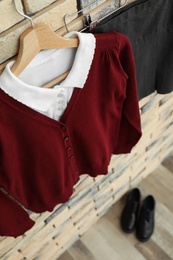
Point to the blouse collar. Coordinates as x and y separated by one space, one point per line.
41 98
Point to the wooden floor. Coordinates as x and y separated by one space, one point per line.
106 241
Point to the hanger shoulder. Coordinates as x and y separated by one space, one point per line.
49 39
29 47
33 40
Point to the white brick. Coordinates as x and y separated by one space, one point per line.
8 14
33 6
54 18
90 4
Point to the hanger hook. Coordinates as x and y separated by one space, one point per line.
24 15
75 13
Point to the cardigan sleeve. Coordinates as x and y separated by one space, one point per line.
14 220
130 124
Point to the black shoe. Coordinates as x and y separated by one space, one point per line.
130 212
145 226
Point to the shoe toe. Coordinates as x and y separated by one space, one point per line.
128 222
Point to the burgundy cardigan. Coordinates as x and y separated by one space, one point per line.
42 159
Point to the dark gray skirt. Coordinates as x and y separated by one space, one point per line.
149 26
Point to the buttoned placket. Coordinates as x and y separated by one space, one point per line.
69 151
60 103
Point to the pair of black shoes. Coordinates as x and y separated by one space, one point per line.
143 221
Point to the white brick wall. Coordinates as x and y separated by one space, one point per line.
33 6
8 14
90 4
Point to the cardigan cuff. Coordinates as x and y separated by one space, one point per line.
127 146
14 220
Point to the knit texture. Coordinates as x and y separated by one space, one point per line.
41 159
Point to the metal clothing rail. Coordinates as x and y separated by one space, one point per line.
87 18
88 23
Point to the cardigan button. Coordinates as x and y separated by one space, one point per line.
76 172
72 157
66 138
62 127
68 148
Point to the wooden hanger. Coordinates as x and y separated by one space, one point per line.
35 39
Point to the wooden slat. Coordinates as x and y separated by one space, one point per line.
152 251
